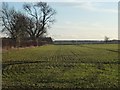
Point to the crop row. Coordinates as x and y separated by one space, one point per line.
61 66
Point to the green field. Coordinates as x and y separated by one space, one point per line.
61 66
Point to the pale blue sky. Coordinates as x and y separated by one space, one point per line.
82 20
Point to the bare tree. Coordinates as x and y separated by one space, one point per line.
34 24
6 20
20 26
41 16
106 39
14 23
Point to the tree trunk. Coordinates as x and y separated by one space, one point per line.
37 42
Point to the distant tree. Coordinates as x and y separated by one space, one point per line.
106 39
41 16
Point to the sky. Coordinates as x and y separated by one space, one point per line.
82 20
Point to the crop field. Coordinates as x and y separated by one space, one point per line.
61 66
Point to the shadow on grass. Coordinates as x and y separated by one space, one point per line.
19 62
38 88
4 65
117 51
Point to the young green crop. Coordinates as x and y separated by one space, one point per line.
62 66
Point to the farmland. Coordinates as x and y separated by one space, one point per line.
61 66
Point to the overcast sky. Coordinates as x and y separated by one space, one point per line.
82 20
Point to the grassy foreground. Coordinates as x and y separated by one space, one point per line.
61 66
